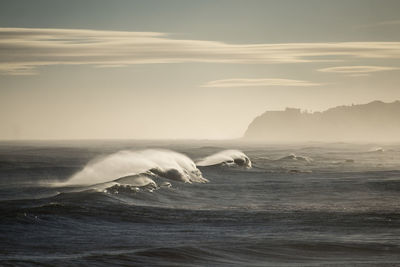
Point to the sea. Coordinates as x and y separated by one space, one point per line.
198 203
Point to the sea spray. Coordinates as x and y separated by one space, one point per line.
161 163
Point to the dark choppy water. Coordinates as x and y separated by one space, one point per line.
341 207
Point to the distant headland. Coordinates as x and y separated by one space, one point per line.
375 121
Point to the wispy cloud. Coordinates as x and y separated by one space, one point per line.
24 49
357 70
258 82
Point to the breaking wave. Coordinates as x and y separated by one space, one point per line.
138 168
226 157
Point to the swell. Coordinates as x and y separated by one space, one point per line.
238 253
94 206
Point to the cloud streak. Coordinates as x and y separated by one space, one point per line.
22 50
357 69
258 83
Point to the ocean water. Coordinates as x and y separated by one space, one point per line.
148 204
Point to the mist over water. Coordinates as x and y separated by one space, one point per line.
199 203
376 121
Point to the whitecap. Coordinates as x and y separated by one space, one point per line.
226 157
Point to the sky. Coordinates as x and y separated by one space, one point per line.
187 69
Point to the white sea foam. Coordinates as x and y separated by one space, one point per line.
127 166
133 182
226 157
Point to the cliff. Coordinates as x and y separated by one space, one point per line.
375 121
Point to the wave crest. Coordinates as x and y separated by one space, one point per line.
226 157
139 166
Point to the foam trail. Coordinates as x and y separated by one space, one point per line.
226 157
129 165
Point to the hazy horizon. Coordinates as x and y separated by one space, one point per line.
187 69
280 130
